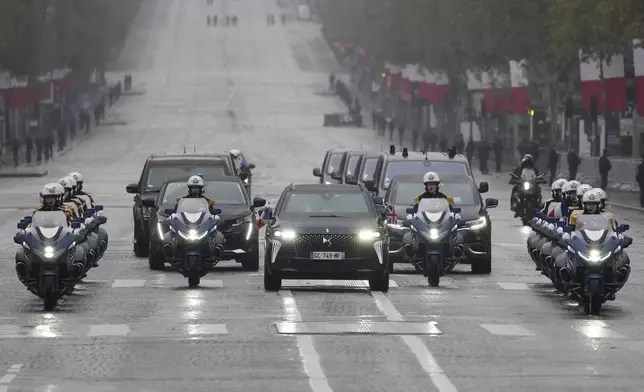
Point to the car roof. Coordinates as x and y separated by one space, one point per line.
431 156
418 178
344 188
214 179
188 157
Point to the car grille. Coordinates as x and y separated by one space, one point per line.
347 243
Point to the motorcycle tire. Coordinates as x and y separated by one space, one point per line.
49 295
593 304
193 281
432 269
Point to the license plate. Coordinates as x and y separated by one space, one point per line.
327 255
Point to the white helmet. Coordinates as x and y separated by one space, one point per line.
571 186
592 196
558 184
59 188
235 153
51 189
195 181
602 194
431 177
65 183
583 189
76 176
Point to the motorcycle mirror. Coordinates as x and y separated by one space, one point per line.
169 211
22 225
568 229
18 239
88 214
456 210
76 225
410 210
27 218
216 211
251 166
623 228
98 208
626 242
102 220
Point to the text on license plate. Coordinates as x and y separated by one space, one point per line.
327 255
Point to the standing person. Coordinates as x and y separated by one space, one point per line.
573 164
15 148
604 167
498 153
469 150
484 156
39 149
553 160
49 145
29 146
460 143
640 180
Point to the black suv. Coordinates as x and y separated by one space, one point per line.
332 167
326 232
157 170
238 219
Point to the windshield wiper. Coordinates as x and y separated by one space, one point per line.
327 216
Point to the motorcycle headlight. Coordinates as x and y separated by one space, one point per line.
193 235
285 234
49 252
368 235
476 224
594 256
526 186
434 234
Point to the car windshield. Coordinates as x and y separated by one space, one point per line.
326 203
221 192
352 166
193 206
49 219
421 166
464 194
369 169
157 175
334 162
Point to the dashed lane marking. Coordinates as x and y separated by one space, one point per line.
507 330
417 347
513 286
128 283
9 376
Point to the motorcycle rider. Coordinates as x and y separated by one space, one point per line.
526 168
556 199
570 201
604 198
51 200
431 182
66 198
79 188
82 205
195 190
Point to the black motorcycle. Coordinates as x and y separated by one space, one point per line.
527 195
191 240
51 264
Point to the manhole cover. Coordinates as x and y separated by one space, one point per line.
357 328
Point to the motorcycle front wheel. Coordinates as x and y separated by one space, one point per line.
432 268
49 295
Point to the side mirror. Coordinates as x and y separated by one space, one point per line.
410 210
317 172
148 202
101 220
336 176
259 202
98 208
23 225
484 187
169 211
251 166
626 242
216 211
491 203
18 239
350 179
76 225
370 185
456 210
132 188
406 223
379 201
623 228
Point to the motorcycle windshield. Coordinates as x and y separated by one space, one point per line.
193 213
594 227
528 175
433 210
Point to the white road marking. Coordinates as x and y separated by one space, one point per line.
121 283
7 378
330 283
422 353
513 286
207 329
507 330
108 330
598 330
211 283
306 347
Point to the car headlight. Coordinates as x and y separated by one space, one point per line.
526 186
433 234
285 234
594 256
367 235
193 235
49 252
476 224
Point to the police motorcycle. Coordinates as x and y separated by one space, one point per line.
96 236
528 195
51 261
434 228
191 243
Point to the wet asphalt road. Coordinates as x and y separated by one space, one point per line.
263 89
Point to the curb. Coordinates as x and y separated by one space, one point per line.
625 206
24 175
